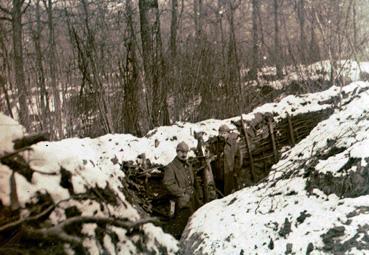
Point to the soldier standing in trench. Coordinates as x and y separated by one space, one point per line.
227 172
180 181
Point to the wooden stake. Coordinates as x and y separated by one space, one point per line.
271 132
290 127
248 143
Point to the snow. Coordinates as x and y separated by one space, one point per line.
348 69
9 131
246 220
92 163
252 217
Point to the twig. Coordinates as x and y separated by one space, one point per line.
11 154
25 220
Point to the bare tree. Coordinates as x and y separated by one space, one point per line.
90 67
153 61
173 29
301 18
16 13
277 47
134 108
52 63
255 39
6 67
44 101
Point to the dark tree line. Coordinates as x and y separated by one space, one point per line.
87 67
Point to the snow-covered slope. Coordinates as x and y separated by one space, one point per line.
81 175
74 167
315 200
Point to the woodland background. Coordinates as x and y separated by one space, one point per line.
86 68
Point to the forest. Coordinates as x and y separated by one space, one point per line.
87 68
259 106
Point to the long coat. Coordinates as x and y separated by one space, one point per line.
179 179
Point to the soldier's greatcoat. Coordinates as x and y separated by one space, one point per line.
180 181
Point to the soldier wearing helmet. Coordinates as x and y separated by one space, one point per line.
229 164
180 181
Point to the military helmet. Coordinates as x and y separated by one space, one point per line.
224 129
182 146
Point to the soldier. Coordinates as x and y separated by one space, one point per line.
180 181
231 161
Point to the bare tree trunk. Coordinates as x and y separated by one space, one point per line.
301 17
6 69
153 61
255 40
173 29
277 47
314 45
161 75
147 48
196 15
52 65
233 78
134 110
2 85
18 63
104 109
221 33
354 25
173 67
40 70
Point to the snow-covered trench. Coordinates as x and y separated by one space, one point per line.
95 164
314 201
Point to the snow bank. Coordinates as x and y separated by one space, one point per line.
93 168
289 213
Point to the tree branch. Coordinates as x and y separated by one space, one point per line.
6 18
123 223
25 220
14 153
3 9
25 8
57 232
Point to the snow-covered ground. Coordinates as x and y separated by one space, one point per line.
289 213
244 217
347 69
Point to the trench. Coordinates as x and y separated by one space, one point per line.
261 143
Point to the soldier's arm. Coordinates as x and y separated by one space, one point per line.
171 184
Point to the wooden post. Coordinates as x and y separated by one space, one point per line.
271 132
207 174
248 143
290 128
